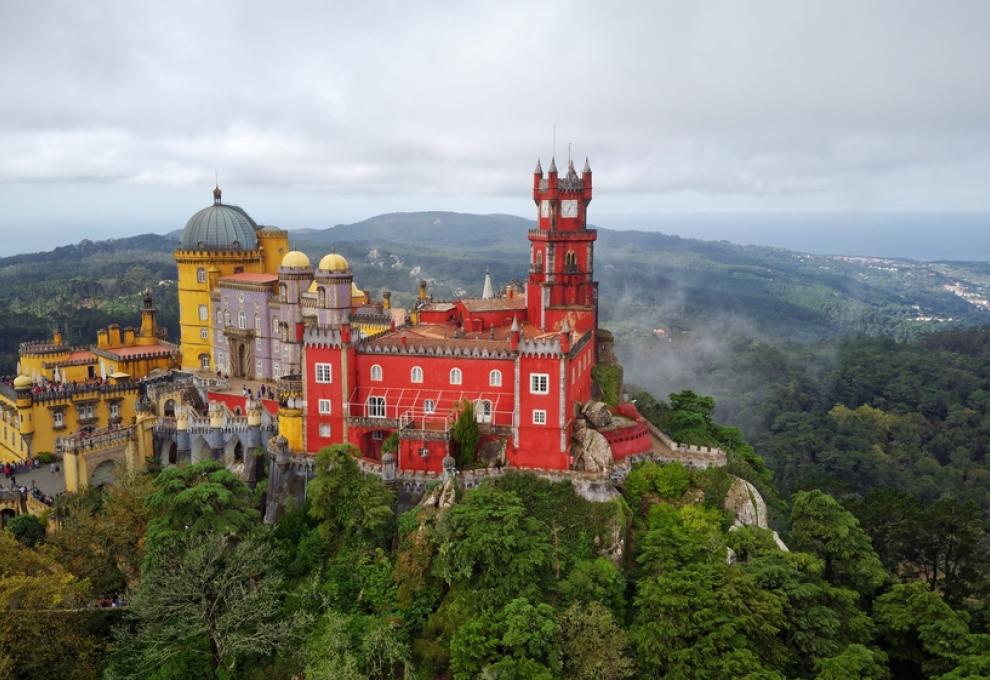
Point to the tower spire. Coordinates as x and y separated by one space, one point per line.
216 188
539 168
553 166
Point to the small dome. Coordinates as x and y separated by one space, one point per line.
355 291
294 258
220 227
22 382
334 263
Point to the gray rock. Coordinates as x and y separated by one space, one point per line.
597 414
592 452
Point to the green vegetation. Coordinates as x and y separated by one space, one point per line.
466 434
609 381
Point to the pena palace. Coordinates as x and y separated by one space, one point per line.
275 354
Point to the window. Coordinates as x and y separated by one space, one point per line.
283 291
257 323
323 373
378 435
219 317
204 333
274 326
376 373
321 296
325 430
201 275
204 313
495 378
59 419
324 405
455 376
539 417
114 410
277 370
429 406
483 411
376 407
257 365
416 374
204 362
241 320
539 383
226 317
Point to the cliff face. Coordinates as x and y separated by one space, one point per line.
746 503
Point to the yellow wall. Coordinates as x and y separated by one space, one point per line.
193 293
39 420
274 244
290 426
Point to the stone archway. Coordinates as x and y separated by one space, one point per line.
102 474
6 515
200 450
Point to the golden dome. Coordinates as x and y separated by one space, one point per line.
334 263
355 291
22 382
294 258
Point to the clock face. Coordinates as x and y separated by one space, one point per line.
568 209
544 208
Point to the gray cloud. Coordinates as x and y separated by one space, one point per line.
687 106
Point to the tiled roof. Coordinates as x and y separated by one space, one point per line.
494 304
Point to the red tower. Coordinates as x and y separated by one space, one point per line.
561 282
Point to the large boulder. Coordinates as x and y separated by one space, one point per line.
745 502
441 496
492 453
597 414
592 452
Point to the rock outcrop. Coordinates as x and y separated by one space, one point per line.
492 453
441 496
592 452
745 502
597 414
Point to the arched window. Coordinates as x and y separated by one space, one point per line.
283 292
455 376
495 378
226 317
376 407
204 313
416 374
204 362
241 320
483 411
274 327
257 323
376 373
201 275
429 406
321 296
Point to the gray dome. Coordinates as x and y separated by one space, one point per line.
220 227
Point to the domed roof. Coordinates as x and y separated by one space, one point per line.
294 258
355 291
334 263
22 382
220 227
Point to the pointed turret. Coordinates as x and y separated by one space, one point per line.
539 168
587 166
571 172
553 165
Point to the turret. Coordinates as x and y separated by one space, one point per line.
565 337
514 335
537 176
57 337
422 291
387 301
149 329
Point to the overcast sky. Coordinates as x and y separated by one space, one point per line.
115 116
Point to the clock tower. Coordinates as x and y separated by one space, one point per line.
561 284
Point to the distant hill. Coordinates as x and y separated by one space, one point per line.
654 287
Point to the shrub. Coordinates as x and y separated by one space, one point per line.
46 457
608 378
27 529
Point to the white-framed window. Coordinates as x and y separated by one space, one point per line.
539 417
204 313
114 410
204 362
378 435
257 323
483 411
539 383
201 275
324 406
324 373
495 378
58 418
257 365
204 333
376 373
226 317
325 430
277 370
429 406
274 326
456 376
241 320
416 374
376 407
